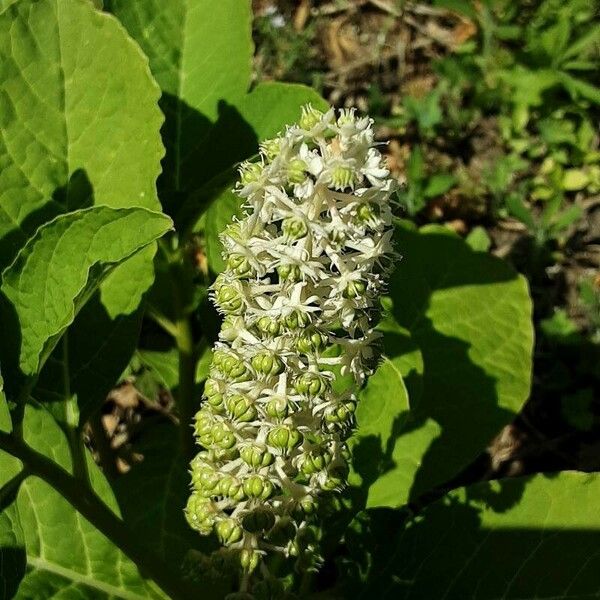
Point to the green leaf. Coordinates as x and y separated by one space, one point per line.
531 537
153 494
90 365
79 117
460 333
439 184
66 556
478 239
200 53
56 272
12 545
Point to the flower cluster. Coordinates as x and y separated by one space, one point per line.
300 295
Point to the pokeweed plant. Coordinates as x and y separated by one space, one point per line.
121 131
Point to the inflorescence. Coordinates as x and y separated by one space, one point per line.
306 267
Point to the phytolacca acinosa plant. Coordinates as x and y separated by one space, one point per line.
305 269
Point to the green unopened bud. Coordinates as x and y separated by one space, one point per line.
310 117
232 488
204 422
223 437
308 505
239 265
311 340
296 171
249 560
257 486
256 457
289 273
267 363
277 408
250 172
241 408
284 437
340 413
212 393
314 461
205 480
296 319
229 300
294 228
342 177
235 369
354 289
268 326
200 514
228 531
261 519
311 385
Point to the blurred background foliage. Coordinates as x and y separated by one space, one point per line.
492 111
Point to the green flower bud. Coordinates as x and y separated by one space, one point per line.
354 289
250 172
204 422
232 488
310 117
230 300
212 393
222 436
277 408
228 531
313 461
267 363
343 177
235 369
205 480
340 413
239 265
284 437
200 514
308 505
261 519
296 171
294 228
311 385
257 486
289 273
268 326
311 340
241 408
249 560
296 319
256 457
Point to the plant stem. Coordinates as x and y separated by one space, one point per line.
187 383
71 425
86 502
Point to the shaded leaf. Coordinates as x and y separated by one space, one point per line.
467 316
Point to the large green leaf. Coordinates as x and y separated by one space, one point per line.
459 332
79 118
60 266
200 52
12 543
532 537
66 556
153 495
267 109
87 365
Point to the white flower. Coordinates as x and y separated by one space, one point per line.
307 261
